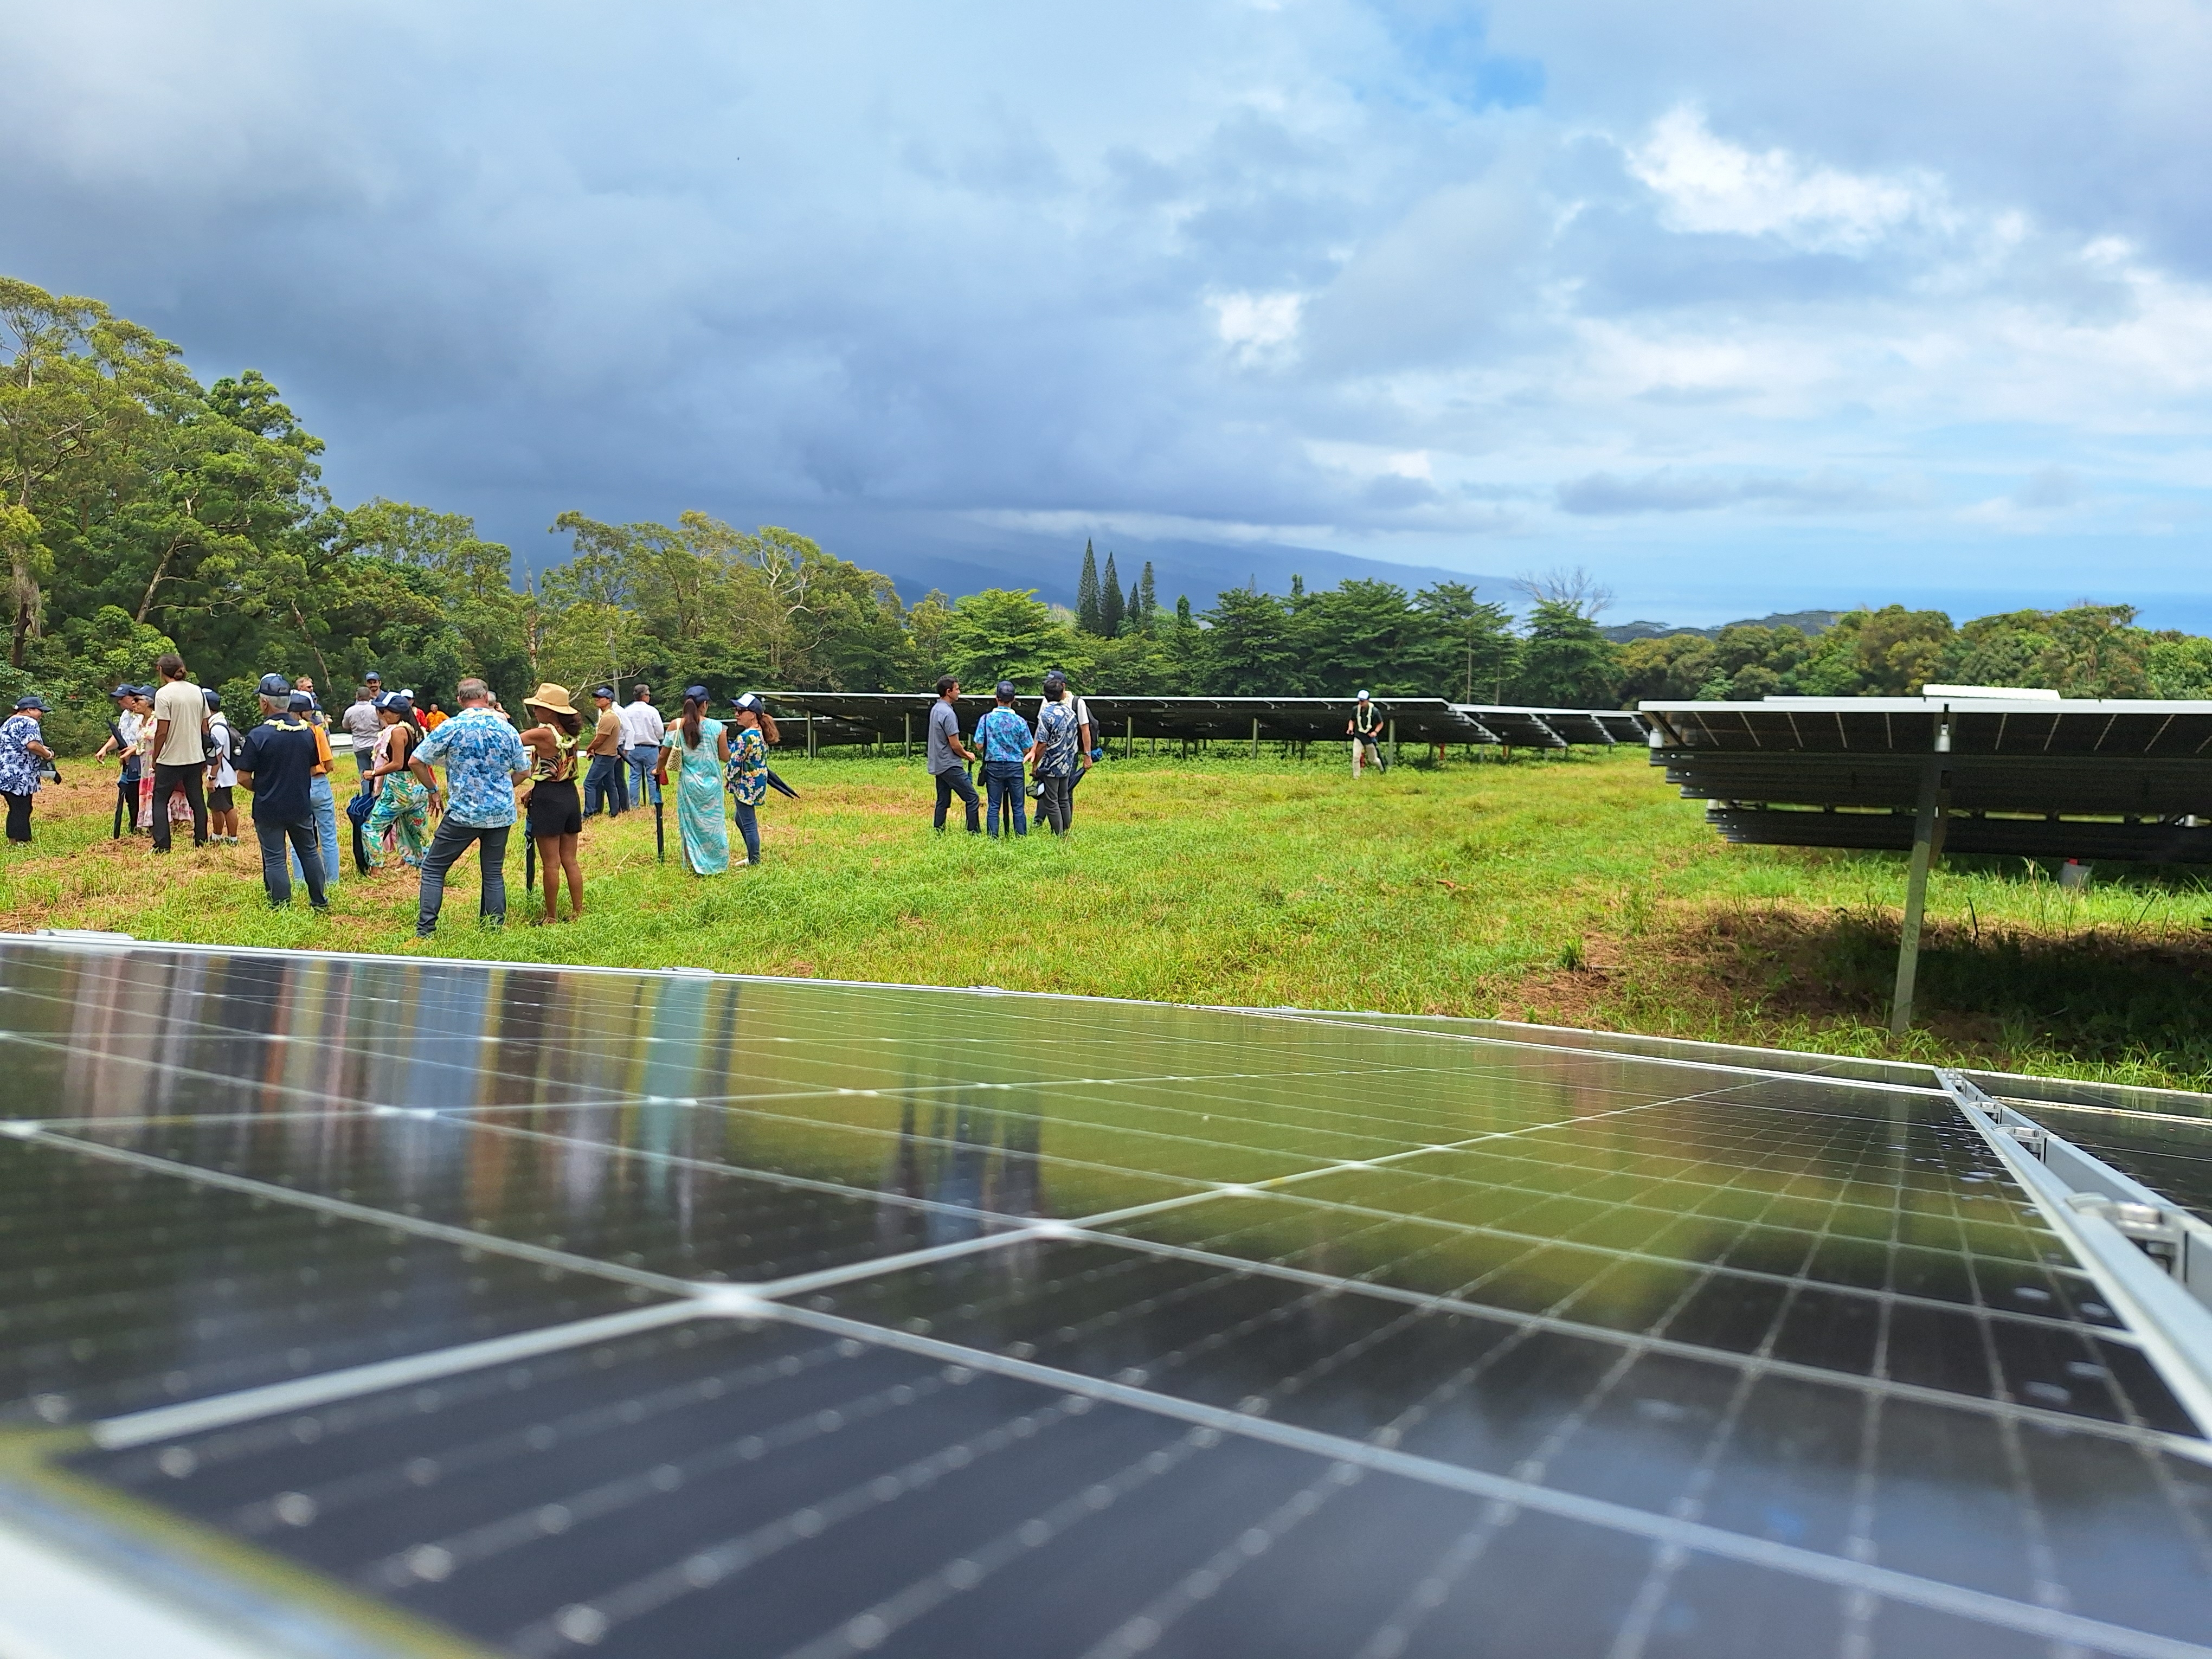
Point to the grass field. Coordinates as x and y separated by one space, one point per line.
1578 891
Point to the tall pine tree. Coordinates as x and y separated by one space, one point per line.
1087 592
1148 597
1110 605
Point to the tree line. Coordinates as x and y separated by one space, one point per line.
142 512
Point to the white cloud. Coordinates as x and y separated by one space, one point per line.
1257 327
1708 184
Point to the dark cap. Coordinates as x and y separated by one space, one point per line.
210 697
276 685
698 694
373 677
1005 688
1053 677
606 691
39 704
124 692
748 701
300 703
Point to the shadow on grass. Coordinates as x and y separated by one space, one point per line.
2099 998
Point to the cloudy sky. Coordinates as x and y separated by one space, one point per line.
1742 306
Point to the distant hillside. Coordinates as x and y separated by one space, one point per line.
1805 622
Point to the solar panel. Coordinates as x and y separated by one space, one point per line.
551 1312
900 717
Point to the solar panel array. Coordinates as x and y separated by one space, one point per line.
895 717
553 1312
2075 779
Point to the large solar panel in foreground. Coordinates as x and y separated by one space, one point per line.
369 1306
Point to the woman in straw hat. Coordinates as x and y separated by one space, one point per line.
555 813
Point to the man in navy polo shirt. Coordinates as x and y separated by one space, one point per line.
279 767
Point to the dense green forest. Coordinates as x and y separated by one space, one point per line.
141 511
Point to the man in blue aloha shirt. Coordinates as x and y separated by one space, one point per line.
484 760
23 757
1055 760
1004 738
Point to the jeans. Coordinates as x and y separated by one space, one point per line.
127 804
749 827
1055 806
954 781
364 757
449 843
644 759
19 817
324 804
604 782
168 780
1002 782
274 877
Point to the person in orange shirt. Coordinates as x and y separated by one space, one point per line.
435 718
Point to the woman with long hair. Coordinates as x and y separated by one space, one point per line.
401 818
556 812
756 729
700 749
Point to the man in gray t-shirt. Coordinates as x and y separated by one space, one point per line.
948 756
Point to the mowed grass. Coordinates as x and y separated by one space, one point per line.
1575 891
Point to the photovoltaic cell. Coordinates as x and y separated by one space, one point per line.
960 1323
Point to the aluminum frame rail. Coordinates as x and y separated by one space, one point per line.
2152 1258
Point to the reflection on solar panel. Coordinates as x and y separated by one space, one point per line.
385 1307
893 717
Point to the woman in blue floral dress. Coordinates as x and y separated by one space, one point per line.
699 750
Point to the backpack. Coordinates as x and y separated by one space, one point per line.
229 747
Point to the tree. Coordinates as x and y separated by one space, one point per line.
1248 650
1565 662
1111 609
1086 593
1889 652
1362 633
1146 606
1005 633
1463 645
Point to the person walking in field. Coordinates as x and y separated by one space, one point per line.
401 818
642 732
483 759
179 750
1056 759
1004 737
123 741
1365 729
1056 691
948 757
603 781
221 773
364 725
700 747
23 757
277 766
753 729
555 814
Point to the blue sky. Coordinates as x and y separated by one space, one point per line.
1742 307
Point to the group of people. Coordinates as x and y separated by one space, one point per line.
1057 753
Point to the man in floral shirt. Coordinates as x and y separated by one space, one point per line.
1055 761
484 760
22 758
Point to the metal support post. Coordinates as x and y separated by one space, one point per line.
1394 741
1928 826
810 734
906 748
1129 741
1256 737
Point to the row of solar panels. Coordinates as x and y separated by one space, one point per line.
2037 778
894 717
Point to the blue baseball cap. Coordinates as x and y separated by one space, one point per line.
1005 688
698 694
300 702
276 685
39 704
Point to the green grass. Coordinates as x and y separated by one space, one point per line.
1578 891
